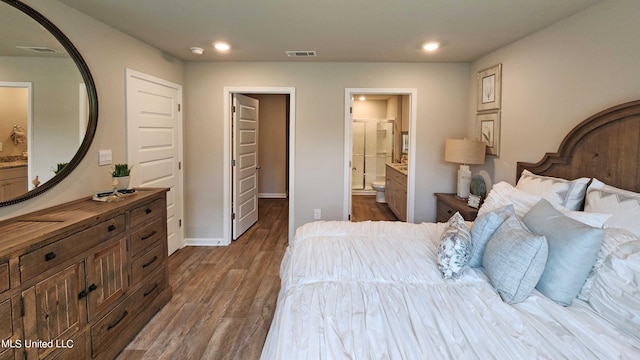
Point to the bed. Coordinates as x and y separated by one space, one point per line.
391 290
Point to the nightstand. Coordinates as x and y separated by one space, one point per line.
448 204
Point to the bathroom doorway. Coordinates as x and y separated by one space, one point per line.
378 143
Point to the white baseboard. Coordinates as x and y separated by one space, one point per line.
272 195
204 242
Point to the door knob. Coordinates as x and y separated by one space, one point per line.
258 167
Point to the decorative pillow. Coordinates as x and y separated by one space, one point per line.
566 193
503 194
455 248
610 241
514 260
573 248
483 228
622 204
616 288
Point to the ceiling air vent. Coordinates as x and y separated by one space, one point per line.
301 53
38 49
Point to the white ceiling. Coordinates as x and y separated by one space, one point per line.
339 30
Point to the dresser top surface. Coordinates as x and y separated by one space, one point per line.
61 220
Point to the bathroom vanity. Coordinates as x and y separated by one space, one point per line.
82 278
13 179
396 189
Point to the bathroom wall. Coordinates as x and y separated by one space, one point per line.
13 102
272 145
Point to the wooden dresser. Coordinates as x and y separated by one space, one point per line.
80 280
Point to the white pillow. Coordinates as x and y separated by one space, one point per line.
503 194
610 241
566 193
615 293
623 205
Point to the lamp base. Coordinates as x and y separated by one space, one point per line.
464 182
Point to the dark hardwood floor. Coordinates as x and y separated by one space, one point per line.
365 207
223 297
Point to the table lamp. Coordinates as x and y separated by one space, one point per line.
464 152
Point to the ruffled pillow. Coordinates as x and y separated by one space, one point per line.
623 205
455 248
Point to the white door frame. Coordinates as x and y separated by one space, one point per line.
413 101
227 196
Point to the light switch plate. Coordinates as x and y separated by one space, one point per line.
104 157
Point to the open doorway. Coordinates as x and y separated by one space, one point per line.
274 180
379 124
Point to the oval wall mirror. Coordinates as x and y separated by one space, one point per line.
48 104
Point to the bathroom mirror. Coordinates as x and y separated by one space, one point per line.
405 142
54 127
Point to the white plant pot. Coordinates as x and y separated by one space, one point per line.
123 182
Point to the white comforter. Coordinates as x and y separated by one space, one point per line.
372 290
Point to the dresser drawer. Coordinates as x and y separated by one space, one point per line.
38 261
444 212
123 316
6 325
4 276
147 236
146 264
147 211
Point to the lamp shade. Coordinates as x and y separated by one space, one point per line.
463 151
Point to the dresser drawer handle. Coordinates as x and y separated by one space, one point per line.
92 287
49 256
148 211
111 227
148 236
449 211
150 290
150 262
124 314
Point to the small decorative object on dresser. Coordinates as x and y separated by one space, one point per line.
449 204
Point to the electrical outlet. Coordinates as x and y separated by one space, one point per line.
317 214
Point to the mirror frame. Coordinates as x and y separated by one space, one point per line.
92 94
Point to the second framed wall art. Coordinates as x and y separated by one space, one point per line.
488 130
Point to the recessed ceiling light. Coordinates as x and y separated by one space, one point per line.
362 98
431 46
222 46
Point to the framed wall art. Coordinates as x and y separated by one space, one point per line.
488 130
490 88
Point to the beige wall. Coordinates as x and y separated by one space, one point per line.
556 78
272 145
14 103
319 130
108 53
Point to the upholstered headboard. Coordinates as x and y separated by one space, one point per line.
605 146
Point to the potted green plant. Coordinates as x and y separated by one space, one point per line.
121 173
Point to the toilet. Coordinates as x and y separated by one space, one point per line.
379 186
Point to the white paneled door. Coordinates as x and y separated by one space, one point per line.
154 146
245 164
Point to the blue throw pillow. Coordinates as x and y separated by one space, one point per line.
514 259
483 228
573 249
